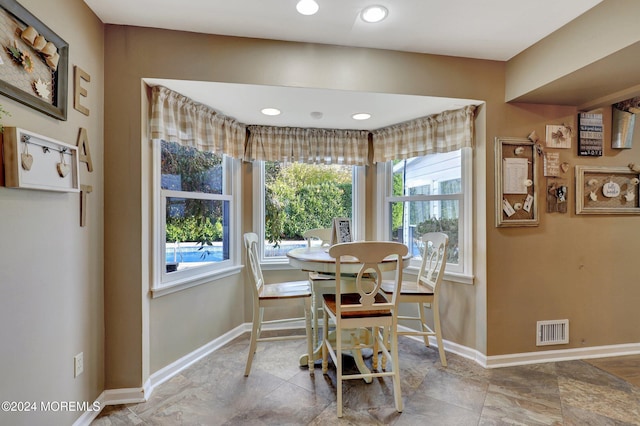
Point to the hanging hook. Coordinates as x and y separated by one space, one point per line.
45 149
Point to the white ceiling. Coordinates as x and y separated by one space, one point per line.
244 102
485 29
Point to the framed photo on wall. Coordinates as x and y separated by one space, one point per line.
33 61
341 230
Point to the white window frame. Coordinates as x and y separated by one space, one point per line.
463 271
166 283
358 219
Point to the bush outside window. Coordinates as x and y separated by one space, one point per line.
297 197
195 209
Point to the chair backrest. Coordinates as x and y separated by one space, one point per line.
434 260
322 234
255 272
369 255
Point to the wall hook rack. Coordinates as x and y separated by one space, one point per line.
43 173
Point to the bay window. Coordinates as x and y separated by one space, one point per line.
430 193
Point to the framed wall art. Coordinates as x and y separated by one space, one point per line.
516 182
590 134
558 136
607 190
341 230
33 61
33 161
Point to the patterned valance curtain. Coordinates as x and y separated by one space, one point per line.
444 132
316 146
176 118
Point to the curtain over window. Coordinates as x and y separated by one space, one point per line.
444 132
314 146
176 118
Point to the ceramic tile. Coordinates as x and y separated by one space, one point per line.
214 391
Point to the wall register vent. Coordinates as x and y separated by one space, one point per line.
554 332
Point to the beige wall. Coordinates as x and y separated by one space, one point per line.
522 274
51 269
571 266
495 316
51 285
135 53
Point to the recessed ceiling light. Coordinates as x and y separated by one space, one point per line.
374 14
361 116
307 7
270 111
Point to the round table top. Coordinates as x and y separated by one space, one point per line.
318 259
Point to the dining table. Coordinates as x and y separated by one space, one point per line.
317 259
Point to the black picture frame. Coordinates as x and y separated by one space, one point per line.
58 107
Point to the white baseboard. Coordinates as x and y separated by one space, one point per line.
497 361
452 347
111 397
136 395
511 360
177 366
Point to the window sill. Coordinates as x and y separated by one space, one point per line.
194 281
454 277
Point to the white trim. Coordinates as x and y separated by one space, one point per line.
512 360
163 283
463 271
258 203
195 281
112 397
186 361
450 347
89 416
497 361
124 396
467 212
453 277
358 206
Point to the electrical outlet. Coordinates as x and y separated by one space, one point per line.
78 364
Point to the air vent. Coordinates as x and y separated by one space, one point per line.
554 332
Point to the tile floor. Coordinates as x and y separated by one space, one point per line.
278 392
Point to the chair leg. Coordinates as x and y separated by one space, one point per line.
314 317
397 391
255 331
385 341
307 320
338 368
325 349
375 333
423 323
438 329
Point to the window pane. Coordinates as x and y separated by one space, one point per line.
429 175
186 169
197 232
412 219
299 197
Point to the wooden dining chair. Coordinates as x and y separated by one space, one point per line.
425 289
276 295
366 308
320 283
